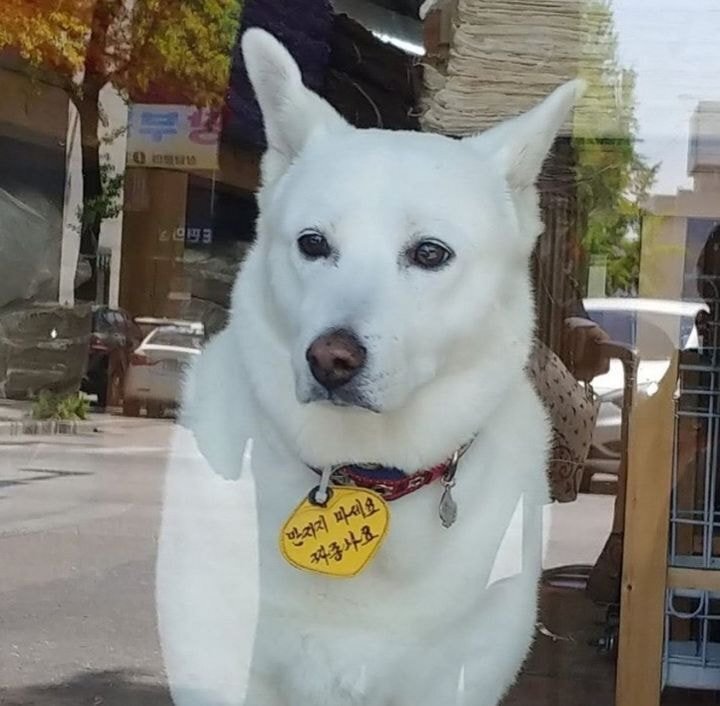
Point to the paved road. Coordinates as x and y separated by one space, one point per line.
78 526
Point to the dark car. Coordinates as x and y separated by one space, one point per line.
114 337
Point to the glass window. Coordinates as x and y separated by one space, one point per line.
359 351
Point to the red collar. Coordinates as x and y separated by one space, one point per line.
392 483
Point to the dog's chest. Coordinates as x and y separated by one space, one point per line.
339 654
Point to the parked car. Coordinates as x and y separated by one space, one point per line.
655 328
157 367
150 323
113 338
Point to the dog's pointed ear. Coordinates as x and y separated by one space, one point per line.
522 143
291 112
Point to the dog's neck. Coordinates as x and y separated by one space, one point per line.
422 433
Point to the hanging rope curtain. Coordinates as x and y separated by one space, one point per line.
506 55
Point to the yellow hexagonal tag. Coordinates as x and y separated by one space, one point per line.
338 538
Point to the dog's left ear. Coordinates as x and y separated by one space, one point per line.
291 112
522 143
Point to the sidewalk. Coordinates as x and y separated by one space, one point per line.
16 421
14 410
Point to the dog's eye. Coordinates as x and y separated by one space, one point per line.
429 254
314 245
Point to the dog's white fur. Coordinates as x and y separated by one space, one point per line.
432 621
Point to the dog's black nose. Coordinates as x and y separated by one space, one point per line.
335 358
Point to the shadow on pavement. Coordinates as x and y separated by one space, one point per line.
111 688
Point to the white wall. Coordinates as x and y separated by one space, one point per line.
73 199
111 232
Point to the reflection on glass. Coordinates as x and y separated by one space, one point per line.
131 155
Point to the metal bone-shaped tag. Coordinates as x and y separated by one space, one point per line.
448 507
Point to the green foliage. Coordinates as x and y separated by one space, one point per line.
48 33
130 45
613 179
108 204
49 406
185 45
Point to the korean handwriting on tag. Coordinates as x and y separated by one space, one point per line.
339 538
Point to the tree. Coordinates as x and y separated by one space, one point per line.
612 177
184 45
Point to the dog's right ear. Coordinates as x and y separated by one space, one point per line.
291 112
522 143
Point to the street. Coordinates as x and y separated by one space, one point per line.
79 518
78 525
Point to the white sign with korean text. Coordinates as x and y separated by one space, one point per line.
173 137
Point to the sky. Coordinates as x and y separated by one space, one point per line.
674 48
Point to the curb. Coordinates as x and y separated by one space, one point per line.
28 427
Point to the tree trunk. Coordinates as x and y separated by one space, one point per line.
87 101
89 111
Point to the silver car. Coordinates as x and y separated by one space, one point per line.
655 328
157 369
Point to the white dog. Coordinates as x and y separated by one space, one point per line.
384 316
